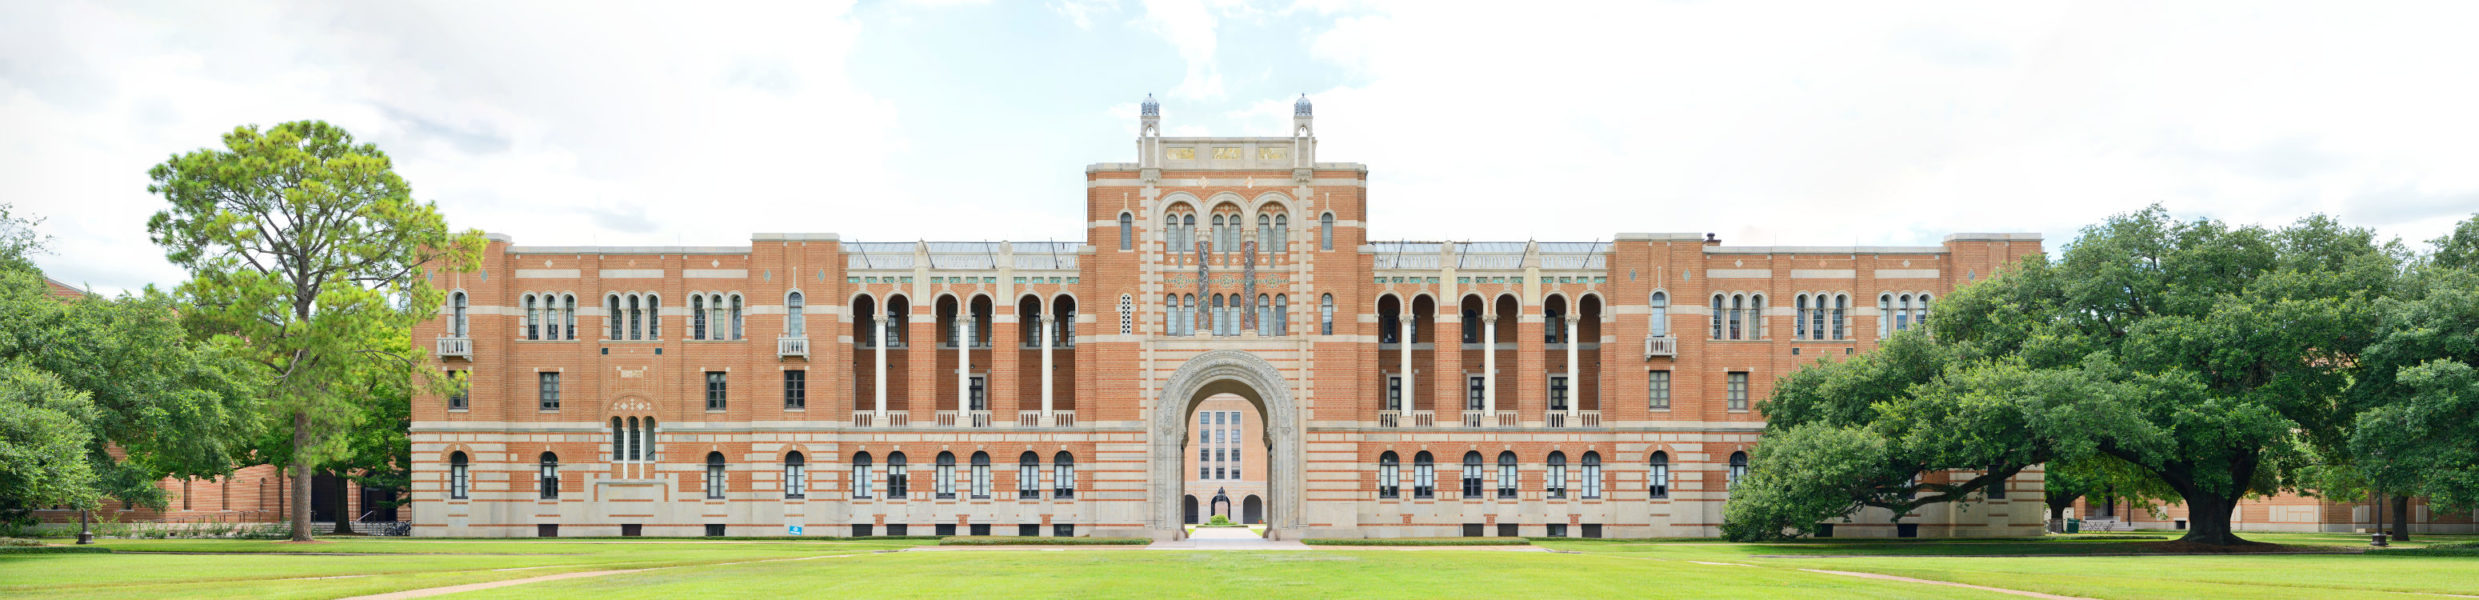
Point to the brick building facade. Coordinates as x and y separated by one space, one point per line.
1404 388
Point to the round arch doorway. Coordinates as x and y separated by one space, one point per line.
1251 378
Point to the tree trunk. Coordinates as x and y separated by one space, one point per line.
301 476
344 507
2401 518
2208 520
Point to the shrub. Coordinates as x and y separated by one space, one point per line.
54 550
995 540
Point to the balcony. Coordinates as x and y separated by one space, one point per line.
792 346
1390 419
456 346
977 419
1424 418
1582 419
1475 418
1032 419
1509 419
1659 345
871 418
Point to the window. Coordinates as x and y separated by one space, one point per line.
1282 315
1265 315
1325 232
1506 475
1394 393
636 317
1659 479
1555 486
1592 475
1424 477
1884 315
1215 319
1658 388
1557 392
1215 236
981 475
654 317
736 332
458 326
569 316
1475 392
1471 475
1738 316
1721 314
1265 231
1840 302
977 397
715 391
1997 490
1919 314
1816 320
1756 317
1799 318
1063 476
457 399
795 389
1325 314
697 317
1127 314
714 476
1553 325
1127 231
860 475
943 480
795 476
549 387
533 319
612 315
1738 390
898 483
550 476
1389 481
1660 319
1029 477
1738 467
1282 233
458 481
794 324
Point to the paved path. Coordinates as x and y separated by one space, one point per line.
1227 538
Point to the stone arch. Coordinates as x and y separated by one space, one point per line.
1249 377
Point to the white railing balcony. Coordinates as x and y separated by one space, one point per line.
1557 419
980 419
871 418
792 346
945 418
1028 419
1588 418
1582 418
1474 418
1390 419
1660 345
456 346
1508 418
1062 418
1424 418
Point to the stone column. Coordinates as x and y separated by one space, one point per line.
1404 325
881 389
1489 366
1574 350
1045 333
964 366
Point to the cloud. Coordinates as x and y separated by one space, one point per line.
1189 26
1081 12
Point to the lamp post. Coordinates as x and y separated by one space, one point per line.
84 534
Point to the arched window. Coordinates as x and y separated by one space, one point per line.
1265 231
1063 476
1325 315
1902 312
1659 479
1424 476
1187 233
533 319
550 476
736 321
1884 315
981 475
1325 232
714 476
1555 484
1217 319
943 479
1170 314
899 484
1756 317
1265 315
714 310
613 315
1389 475
795 476
1799 318
570 315
459 325
1660 319
1554 324
1840 302
697 317
1170 233
1216 234
794 324
1187 314
1471 475
1282 314
459 482
1738 317
1127 231
1592 475
1738 467
636 317
861 479
1282 232
1816 320
1506 476
1921 318
654 317
1721 315
1029 476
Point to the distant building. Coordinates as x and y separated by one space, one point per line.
1404 388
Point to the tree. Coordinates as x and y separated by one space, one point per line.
158 402
2460 249
310 248
2212 358
2419 432
43 439
2098 475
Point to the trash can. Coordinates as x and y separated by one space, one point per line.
2074 526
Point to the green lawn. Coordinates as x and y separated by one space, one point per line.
1654 568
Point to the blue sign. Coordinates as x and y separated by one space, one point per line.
796 530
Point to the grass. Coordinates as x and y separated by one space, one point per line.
1000 540
1440 541
696 568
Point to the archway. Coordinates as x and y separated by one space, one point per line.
1252 511
1251 378
1187 509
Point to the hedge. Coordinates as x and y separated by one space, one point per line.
1000 540
1448 541
54 550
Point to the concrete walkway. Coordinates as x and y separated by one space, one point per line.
1227 538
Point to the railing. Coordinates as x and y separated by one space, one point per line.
946 418
1062 418
792 346
456 346
1660 345
980 418
1473 418
1509 419
1390 419
1028 419
1583 418
1033 418
1557 419
871 418
1591 418
1424 418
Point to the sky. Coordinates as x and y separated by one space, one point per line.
1789 123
